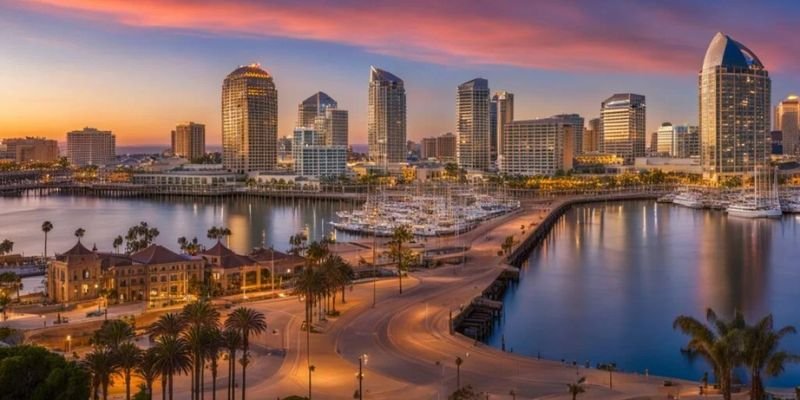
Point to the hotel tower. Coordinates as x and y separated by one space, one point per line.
386 118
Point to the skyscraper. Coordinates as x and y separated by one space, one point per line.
91 147
189 140
386 117
332 125
538 147
787 120
249 120
312 157
312 107
622 123
665 140
472 125
577 122
591 136
734 94
502 112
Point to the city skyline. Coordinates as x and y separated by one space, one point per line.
552 69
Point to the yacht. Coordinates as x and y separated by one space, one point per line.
688 199
762 204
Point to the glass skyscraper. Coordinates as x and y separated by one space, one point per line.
386 118
622 124
472 125
734 94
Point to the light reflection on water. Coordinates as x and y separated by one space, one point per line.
609 280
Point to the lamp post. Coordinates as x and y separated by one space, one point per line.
459 361
311 369
361 361
69 343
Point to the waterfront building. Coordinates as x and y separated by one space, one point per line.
332 125
183 179
386 118
664 143
537 147
787 120
442 148
74 275
312 107
734 95
31 149
155 274
622 121
591 137
312 157
249 120
669 164
577 122
189 141
472 125
687 141
231 272
501 112
275 262
91 147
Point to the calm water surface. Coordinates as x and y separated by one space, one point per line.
609 280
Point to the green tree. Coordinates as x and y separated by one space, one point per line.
47 226
149 370
465 393
6 247
79 233
32 372
112 334
118 241
139 237
169 324
101 364
128 358
576 388
200 316
172 357
247 322
762 353
402 256
232 342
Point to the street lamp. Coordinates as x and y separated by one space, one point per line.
69 343
311 369
459 361
362 360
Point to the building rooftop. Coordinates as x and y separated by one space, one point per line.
266 255
157 254
227 257
78 250
726 52
377 74
477 83
320 100
250 71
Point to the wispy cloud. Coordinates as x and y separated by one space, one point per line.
636 36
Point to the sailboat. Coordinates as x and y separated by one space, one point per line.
762 204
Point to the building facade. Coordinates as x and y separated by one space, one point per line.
91 147
591 137
386 118
312 107
665 143
734 95
441 148
472 124
249 120
189 140
312 157
537 147
31 149
577 122
502 113
787 120
332 124
622 121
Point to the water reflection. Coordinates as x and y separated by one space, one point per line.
608 281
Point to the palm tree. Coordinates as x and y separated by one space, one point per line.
213 347
761 353
213 234
199 316
117 243
246 321
79 233
101 364
576 388
47 226
182 242
719 342
113 334
148 369
401 235
6 246
232 342
128 357
169 324
172 357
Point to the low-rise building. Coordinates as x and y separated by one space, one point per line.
231 272
75 275
31 149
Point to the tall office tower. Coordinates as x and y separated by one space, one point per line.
538 147
734 93
249 120
312 157
591 136
787 120
577 122
665 140
31 149
91 147
472 126
386 118
312 107
501 113
332 125
622 121
687 141
190 140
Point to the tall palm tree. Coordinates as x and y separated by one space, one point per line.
169 324
6 246
233 341
79 233
47 226
113 334
173 357
200 316
246 321
719 342
101 363
182 242
400 236
576 388
128 357
761 353
213 234
213 348
118 243
148 369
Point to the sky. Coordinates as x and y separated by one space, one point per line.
138 68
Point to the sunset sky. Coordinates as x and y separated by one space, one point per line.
139 67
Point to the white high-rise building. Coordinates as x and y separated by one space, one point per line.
538 147
734 93
312 157
249 120
622 122
472 125
386 118
91 147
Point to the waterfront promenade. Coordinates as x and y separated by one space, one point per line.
407 337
